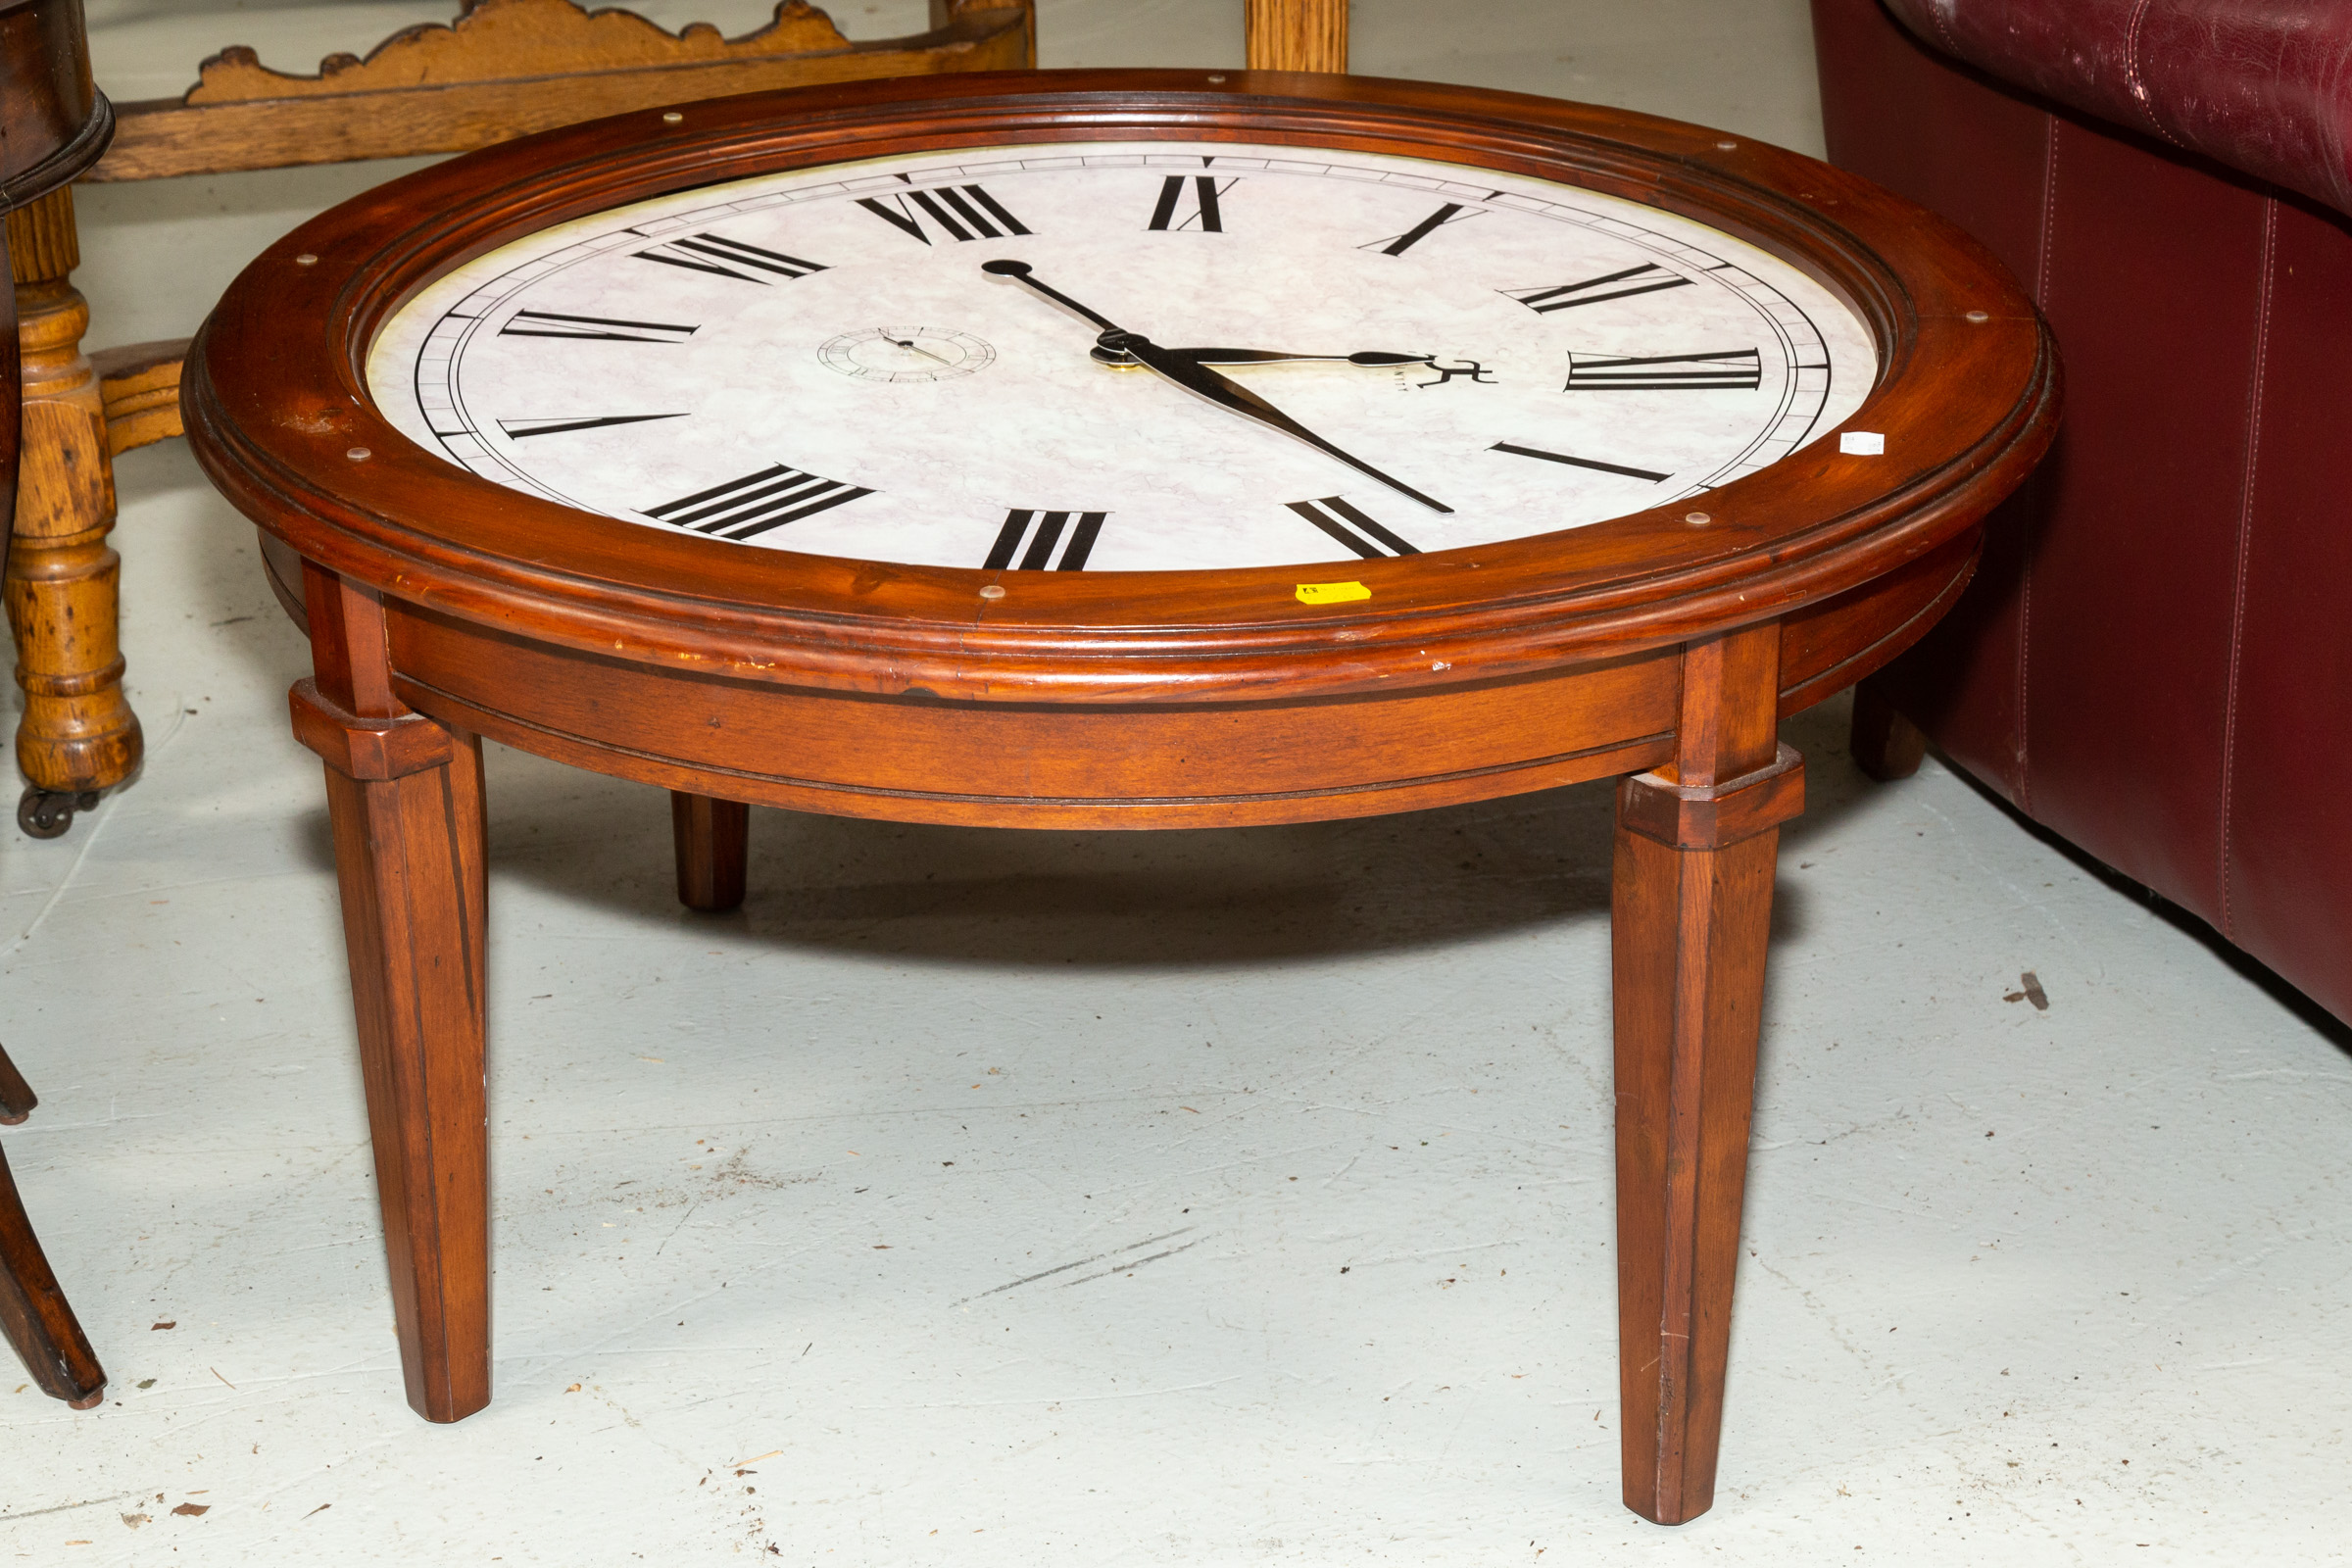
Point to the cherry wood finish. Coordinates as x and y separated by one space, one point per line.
713 843
53 122
441 607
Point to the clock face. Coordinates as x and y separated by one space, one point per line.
1147 356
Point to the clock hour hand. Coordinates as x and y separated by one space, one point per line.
1370 357
1020 273
1200 378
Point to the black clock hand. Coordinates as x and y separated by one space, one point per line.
1370 357
908 343
1207 383
1202 380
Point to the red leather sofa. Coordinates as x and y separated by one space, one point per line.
2155 658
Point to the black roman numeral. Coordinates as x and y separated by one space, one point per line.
1737 368
725 258
1040 532
1576 463
1398 244
517 429
750 505
1647 279
594 329
1352 528
961 212
1203 213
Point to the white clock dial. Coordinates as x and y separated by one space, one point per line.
1332 355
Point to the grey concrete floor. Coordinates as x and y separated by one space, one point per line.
1200 1198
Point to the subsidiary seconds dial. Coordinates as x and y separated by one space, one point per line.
1141 356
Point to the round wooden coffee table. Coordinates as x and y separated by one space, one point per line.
447 599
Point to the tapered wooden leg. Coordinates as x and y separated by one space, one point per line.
78 735
1695 845
406 796
714 842
1884 744
33 1312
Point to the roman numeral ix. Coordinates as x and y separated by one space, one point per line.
1174 214
961 212
1647 279
745 508
1040 532
1398 244
1352 528
594 329
726 257
1739 369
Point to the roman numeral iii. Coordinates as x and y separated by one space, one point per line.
1032 536
726 257
1351 527
959 211
594 329
1202 213
1737 368
1647 279
745 508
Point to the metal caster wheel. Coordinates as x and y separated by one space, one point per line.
48 813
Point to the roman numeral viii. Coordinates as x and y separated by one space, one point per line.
1647 279
745 508
1032 535
594 329
726 257
961 212
1739 369
1352 527
1202 213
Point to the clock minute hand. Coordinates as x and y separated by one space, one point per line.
1369 357
1200 378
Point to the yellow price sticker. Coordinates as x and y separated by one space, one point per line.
1331 593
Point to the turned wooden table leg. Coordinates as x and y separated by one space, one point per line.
713 843
1696 846
1884 744
78 735
406 795
34 1315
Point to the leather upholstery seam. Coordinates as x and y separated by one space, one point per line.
2245 552
2133 80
